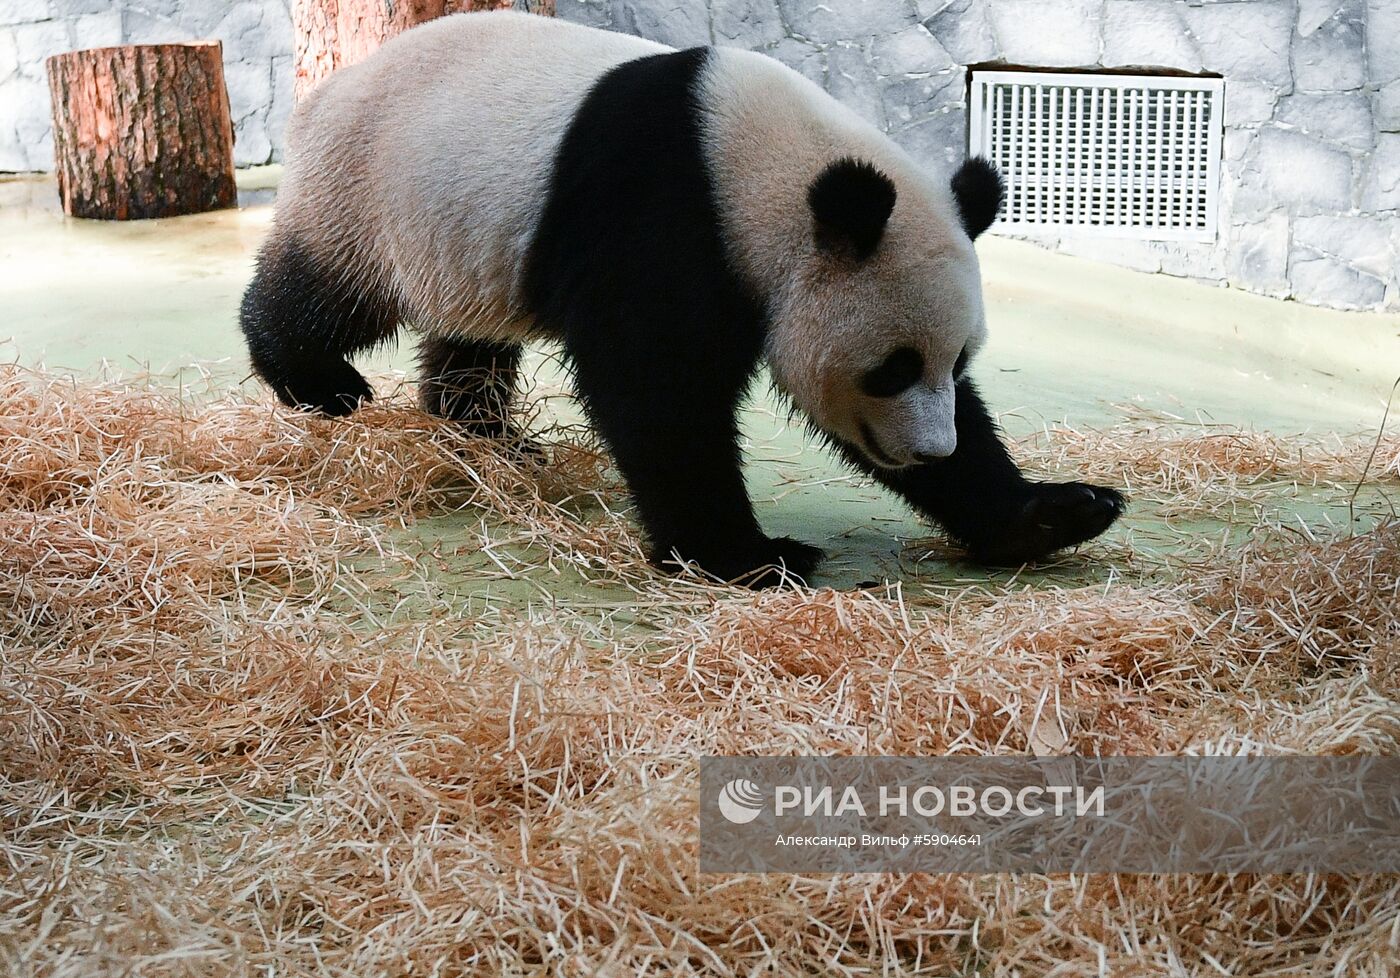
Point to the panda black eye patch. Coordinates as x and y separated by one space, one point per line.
899 371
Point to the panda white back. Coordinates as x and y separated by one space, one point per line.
431 161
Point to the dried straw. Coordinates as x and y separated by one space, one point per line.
242 730
1213 469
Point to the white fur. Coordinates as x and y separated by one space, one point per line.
429 163
770 132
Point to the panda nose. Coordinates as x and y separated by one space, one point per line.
934 449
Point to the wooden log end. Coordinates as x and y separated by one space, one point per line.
142 130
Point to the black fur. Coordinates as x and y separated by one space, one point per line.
851 201
470 381
303 321
985 504
896 374
979 190
629 271
960 365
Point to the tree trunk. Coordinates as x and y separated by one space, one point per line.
142 131
544 8
331 34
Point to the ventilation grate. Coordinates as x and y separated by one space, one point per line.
1125 155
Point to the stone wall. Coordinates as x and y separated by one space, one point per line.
1310 196
257 39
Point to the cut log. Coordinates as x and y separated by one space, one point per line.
331 34
142 131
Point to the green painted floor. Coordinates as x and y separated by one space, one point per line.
1070 341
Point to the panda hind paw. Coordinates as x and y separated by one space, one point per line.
335 389
1056 516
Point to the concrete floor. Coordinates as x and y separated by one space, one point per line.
1070 340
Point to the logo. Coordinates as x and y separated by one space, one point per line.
740 801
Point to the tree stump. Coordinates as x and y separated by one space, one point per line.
331 34
142 131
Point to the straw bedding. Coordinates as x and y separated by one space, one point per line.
243 731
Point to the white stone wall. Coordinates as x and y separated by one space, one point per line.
257 39
1310 199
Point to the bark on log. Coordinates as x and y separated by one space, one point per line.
331 34
142 131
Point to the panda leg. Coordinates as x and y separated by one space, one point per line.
303 320
670 424
470 381
982 500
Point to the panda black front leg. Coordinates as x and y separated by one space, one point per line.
669 421
986 505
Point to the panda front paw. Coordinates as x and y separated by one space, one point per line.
1056 516
758 564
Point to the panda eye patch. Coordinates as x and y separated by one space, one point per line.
899 371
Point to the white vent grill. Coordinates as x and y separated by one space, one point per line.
1127 155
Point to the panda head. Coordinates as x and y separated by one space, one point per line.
884 308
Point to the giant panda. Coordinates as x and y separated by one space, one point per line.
672 219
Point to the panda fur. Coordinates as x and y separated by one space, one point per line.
672 219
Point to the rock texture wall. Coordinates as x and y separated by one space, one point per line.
1310 201
257 39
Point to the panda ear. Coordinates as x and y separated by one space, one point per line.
978 188
851 201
